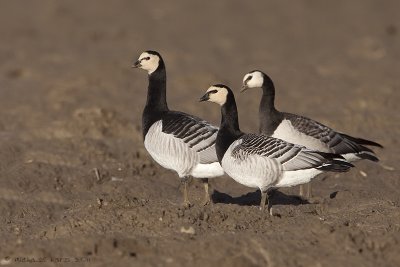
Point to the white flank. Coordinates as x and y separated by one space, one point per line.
263 172
253 171
288 133
170 152
174 154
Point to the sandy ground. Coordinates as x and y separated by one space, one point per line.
70 105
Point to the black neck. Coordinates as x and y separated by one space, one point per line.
156 104
268 96
156 92
229 129
269 117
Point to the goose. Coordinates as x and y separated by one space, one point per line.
301 130
176 140
261 161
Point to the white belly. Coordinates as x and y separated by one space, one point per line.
170 152
210 170
293 178
174 154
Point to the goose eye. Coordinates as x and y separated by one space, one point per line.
213 91
249 78
145 58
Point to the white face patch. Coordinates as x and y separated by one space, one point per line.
217 95
149 62
253 79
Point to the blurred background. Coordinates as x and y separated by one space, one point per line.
75 179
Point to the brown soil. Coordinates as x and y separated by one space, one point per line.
70 105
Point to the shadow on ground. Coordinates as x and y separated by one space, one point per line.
253 199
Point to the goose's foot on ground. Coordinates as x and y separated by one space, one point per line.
186 203
265 203
305 191
207 198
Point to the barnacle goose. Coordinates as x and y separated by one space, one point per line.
175 140
261 161
301 130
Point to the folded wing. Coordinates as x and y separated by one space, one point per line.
196 133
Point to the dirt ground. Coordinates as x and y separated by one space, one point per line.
78 188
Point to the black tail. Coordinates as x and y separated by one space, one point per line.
367 155
361 151
336 166
361 141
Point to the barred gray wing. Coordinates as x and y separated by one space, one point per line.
290 156
198 134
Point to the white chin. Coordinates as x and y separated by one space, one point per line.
151 71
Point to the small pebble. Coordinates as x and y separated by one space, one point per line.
5 261
189 230
386 167
116 179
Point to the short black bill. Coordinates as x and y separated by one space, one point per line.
136 64
244 88
205 97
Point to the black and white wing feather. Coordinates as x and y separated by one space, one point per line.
196 133
338 143
291 157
